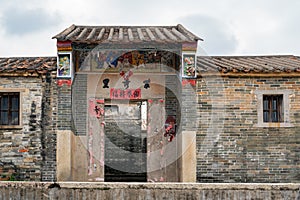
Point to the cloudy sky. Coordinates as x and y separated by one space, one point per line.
228 27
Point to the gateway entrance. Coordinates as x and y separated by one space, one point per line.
125 141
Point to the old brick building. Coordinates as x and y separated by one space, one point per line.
249 119
126 103
28 118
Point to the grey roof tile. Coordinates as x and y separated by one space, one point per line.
223 64
249 64
125 34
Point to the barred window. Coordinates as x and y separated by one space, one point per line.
273 108
9 108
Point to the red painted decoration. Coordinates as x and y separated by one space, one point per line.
170 131
64 43
61 82
192 82
125 94
94 109
100 101
23 150
122 73
64 46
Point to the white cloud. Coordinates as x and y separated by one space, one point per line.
217 34
22 21
230 27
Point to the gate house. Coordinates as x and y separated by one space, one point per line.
126 99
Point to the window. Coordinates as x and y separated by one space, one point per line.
272 108
9 108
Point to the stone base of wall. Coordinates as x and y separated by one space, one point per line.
84 190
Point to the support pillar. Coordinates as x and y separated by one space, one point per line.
63 155
188 158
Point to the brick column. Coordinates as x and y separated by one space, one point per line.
187 141
64 129
49 119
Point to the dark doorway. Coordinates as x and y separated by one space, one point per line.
125 142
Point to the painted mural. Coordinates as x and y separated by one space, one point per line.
189 66
64 65
118 60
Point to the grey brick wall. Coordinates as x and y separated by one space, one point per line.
49 126
21 148
231 147
173 96
64 102
189 115
79 106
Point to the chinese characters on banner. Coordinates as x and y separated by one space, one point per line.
125 94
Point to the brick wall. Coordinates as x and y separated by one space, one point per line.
49 126
189 115
172 97
231 147
64 102
79 105
21 147
29 152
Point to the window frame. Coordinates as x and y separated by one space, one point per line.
19 125
274 106
285 110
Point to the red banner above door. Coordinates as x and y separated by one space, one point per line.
125 94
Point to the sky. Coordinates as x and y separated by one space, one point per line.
228 27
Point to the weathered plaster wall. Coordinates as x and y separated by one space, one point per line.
231 147
95 85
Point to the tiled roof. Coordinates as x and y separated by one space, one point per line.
27 64
224 64
249 64
126 34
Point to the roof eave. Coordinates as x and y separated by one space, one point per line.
181 27
64 32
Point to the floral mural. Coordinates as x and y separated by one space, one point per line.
189 67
